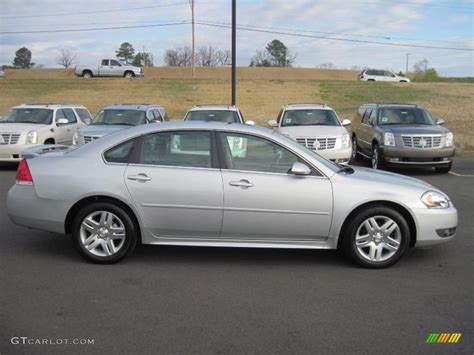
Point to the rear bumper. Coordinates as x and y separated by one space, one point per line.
396 156
432 222
23 204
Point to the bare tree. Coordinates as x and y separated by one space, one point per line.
66 58
328 65
421 66
178 57
223 57
207 56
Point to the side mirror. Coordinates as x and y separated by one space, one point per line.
440 122
300 169
250 122
346 122
61 122
273 123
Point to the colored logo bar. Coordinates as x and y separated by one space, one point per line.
441 338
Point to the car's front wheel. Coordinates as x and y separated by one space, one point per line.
377 159
104 233
355 150
376 237
129 74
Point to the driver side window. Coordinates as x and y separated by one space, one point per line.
250 153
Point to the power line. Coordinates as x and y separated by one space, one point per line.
202 23
98 28
89 23
416 4
95 11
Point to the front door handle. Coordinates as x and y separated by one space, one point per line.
242 183
139 177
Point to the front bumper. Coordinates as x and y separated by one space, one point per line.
431 221
342 155
397 156
12 152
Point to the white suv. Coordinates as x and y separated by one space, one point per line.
30 124
216 113
381 75
317 127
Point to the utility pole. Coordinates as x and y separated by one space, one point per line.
406 70
233 50
192 25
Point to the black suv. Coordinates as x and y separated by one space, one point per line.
401 135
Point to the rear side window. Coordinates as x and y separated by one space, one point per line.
157 115
365 118
84 115
105 62
371 72
186 149
122 153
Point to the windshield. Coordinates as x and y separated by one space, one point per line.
119 117
213 116
309 118
405 116
29 115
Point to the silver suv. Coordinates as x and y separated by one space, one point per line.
117 117
30 124
216 113
317 127
381 75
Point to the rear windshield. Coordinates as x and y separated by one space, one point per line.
29 115
405 116
309 118
119 117
213 116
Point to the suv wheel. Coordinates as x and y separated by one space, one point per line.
444 169
104 233
377 237
129 74
355 150
87 74
377 162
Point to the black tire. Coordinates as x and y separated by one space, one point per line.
87 74
130 239
377 158
355 150
444 169
370 79
129 74
348 242
49 141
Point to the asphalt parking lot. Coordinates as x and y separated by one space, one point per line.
178 300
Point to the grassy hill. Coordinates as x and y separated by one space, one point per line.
260 92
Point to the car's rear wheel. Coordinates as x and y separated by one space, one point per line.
355 150
104 233
376 237
377 159
443 169
87 74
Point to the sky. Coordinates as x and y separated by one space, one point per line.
317 31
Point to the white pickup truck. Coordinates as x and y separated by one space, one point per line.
109 67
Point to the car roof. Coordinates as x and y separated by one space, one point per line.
213 107
135 107
49 105
305 106
391 104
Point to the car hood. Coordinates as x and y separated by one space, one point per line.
414 129
313 131
388 178
101 130
20 127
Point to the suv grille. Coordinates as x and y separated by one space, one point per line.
88 139
317 143
9 138
422 141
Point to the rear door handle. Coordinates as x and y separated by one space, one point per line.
139 177
242 183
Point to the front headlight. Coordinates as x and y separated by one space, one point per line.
346 140
449 139
75 138
433 199
389 139
31 137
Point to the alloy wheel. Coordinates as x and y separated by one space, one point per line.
375 157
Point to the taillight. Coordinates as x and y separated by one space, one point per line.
23 175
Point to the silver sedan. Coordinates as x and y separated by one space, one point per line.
213 184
